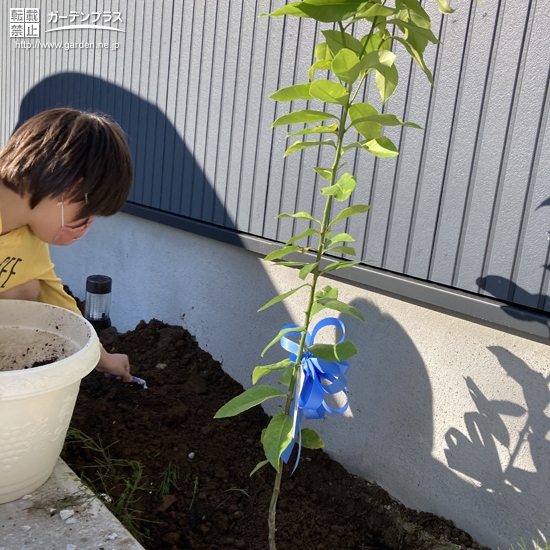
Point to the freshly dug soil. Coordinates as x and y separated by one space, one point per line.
212 502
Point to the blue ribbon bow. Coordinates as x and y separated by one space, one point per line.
320 377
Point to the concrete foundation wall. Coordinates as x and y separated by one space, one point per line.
447 415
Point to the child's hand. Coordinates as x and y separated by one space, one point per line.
116 364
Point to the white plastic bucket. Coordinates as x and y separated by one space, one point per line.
36 404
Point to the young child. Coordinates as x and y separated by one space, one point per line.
58 171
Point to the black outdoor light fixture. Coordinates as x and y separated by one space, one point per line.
98 301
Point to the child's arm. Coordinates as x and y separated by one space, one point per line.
117 364
26 291
51 292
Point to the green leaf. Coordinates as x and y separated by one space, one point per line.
342 189
282 252
342 307
307 269
258 466
412 10
327 292
258 372
290 264
286 377
339 265
380 40
278 299
386 80
425 34
323 172
305 115
341 238
378 59
337 40
346 66
248 399
350 211
343 250
310 439
368 129
329 92
334 352
291 93
282 333
306 233
444 7
298 145
300 215
322 52
354 145
382 147
277 437
417 57
378 11
330 129
329 11
290 9
385 120
324 65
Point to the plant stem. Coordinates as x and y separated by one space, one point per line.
298 362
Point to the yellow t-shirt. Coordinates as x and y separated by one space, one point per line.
24 257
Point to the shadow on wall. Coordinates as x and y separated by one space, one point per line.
392 406
490 451
505 289
166 177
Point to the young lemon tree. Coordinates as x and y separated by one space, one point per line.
345 61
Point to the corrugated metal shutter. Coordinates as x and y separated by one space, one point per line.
461 205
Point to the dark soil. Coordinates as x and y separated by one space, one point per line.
42 363
214 503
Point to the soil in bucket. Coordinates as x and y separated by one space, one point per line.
194 491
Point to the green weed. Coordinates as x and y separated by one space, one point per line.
116 482
168 479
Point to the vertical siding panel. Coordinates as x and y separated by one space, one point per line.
510 197
130 72
300 179
531 264
153 137
164 16
264 134
202 190
438 133
489 145
256 98
225 137
172 138
476 98
277 141
516 201
240 109
144 60
212 193
409 159
458 155
191 124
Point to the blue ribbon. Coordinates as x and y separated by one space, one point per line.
320 377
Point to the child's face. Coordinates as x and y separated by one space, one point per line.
56 221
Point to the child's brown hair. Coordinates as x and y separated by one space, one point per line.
63 151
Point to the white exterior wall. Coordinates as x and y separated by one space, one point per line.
449 416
